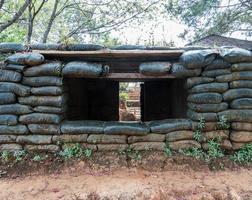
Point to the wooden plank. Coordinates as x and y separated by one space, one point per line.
112 53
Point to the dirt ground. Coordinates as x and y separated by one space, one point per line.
154 177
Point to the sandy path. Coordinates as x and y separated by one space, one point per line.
130 183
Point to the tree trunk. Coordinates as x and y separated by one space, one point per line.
16 16
52 18
1 3
30 25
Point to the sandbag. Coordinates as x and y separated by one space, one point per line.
235 115
42 81
241 84
30 59
237 93
42 148
147 146
198 58
16 88
10 147
46 69
178 70
179 135
241 67
34 139
224 144
10 76
44 129
47 91
168 125
8 120
208 107
13 130
40 118
129 47
209 126
47 46
205 98
15 109
244 75
147 138
210 87
65 138
82 127
183 144
9 47
107 139
190 82
224 78
5 139
195 116
218 63
84 69
18 68
215 73
7 98
50 109
84 47
235 55
57 101
126 128
241 136
244 103
239 126
217 134
155 68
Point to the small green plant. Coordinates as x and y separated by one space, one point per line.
194 152
214 149
197 135
167 151
130 153
223 123
71 151
5 156
88 153
19 155
37 158
244 155
123 96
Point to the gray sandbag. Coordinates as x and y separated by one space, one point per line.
217 134
7 98
84 69
15 109
84 47
241 84
216 72
9 47
235 115
179 135
193 81
244 103
8 120
30 59
10 76
128 47
16 88
46 46
57 101
43 81
237 93
183 144
42 148
241 126
34 139
180 71
13 130
82 127
209 126
65 138
147 146
106 139
210 87
241 136
224 78
50 109
241 67
218 63
152 137
6 139
155 68
40 118
10 147
47 91
235 55
195 116
126 128
244 75
205 98
208 107
18 68
46 69
45 129
168 125
198 58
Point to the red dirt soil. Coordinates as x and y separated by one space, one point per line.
110 177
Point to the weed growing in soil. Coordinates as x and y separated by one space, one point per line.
223 123
244 155
75 151
167 151
198 133
214 149
5 156
19 155
130 153
194 152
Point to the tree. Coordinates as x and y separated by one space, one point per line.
204 17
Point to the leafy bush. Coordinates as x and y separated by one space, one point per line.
244 155
194 152
124 96
214 149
